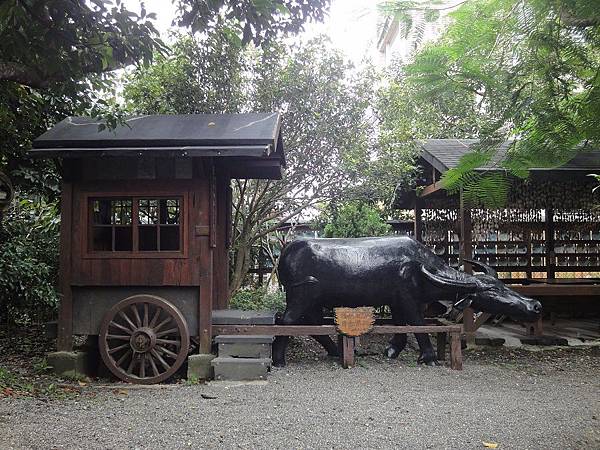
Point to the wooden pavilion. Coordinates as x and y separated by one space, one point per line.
545 241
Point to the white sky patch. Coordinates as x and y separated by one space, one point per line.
351 24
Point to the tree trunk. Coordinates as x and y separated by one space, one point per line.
241 266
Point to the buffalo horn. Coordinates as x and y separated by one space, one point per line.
451 284
482 267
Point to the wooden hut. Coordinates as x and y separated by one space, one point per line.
545 241
145 215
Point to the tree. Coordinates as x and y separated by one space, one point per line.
45 42
324 104
57 58
352 220
531 67
405 114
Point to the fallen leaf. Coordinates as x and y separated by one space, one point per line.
123 392
490 444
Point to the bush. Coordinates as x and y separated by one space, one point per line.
352 220
259 299
29 261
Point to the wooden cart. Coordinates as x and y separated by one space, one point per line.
145 219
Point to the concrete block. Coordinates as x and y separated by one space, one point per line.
71 364
240 346
239 317
199 366
239 369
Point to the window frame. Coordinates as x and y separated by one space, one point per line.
135 253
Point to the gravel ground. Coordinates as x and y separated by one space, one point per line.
519 400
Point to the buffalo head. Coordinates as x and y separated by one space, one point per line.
485 292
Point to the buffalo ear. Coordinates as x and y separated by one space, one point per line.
482 267
451 284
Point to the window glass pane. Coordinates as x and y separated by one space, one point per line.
123 239
121 212
169 238
102 239
101 212
169 211
147 238
148 211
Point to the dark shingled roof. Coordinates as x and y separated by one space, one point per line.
444 154
249 135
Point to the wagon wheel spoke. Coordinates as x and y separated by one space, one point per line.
121 327
160 359
164 333
118 337
168 341
136 315
143 366
162 324
155 317
124 357
131 364
145 321
120 347
126 319
153 365
166 351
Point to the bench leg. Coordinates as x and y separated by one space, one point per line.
441 339
346 345
455 351
535 328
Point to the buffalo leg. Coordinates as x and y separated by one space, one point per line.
414 316
398 341
325 341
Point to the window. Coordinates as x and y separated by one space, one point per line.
137 224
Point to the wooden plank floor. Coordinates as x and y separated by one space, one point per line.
577 332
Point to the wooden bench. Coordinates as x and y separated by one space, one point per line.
347 343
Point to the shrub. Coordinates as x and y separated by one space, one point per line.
29 261
353 219
259 299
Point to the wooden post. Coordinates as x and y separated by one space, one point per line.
550 255
535 328
441 337
418 229
346 347
207 265
466 252
455 351
65 315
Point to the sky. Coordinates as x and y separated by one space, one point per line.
351 24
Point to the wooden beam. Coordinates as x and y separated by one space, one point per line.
65 315
418 228
430 189
549 234
324 330
466 252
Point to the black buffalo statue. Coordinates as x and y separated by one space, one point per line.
395 271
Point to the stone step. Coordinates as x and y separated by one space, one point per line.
239 317
240 369
240 346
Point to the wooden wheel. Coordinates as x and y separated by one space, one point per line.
144 339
